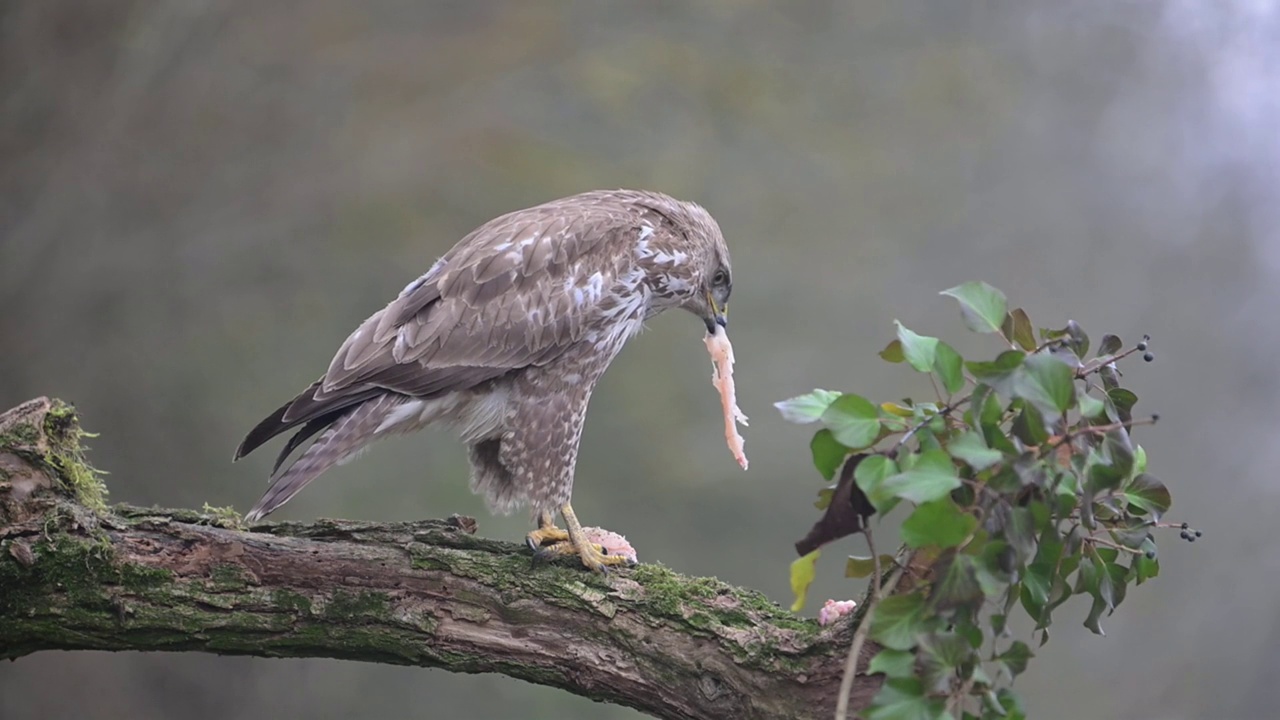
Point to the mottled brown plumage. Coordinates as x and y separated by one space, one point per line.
505 338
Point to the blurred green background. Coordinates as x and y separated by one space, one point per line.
199 200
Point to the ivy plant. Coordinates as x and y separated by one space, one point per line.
1021 486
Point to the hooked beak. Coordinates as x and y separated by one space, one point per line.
719 315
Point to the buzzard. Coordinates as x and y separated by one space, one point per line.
504 339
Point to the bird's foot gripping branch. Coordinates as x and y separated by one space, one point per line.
1021 485
77 574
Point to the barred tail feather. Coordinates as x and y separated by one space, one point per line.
349 434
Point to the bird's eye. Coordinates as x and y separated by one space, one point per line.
720 278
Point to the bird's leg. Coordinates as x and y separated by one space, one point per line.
592 555
547 532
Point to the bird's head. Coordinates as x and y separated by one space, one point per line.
712 270
694 273
712 303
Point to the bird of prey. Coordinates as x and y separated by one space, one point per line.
504 339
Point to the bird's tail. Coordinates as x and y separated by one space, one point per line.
342 441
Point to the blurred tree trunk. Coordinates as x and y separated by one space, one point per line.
77 575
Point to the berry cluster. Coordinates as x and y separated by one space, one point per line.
1188 534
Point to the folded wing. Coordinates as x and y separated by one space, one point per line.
516 292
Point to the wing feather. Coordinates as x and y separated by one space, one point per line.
511 294
502 299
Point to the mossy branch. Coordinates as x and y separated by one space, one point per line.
77 575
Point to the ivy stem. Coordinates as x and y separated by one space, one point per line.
937 392
1097 364
864 626
1107 543
1095 430
943 411
957 698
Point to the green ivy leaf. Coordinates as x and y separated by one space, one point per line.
959 582
1087 579
1046 382
919 350
806 408
853 421
979 413
941 654
932 476
998 562
1110 345
972 449
1017 328
1118 577
1144 568
1118 450
1108 579
893 352
950 368
948 649
828 453
970 632
1131 538
1123 400
1020 532
1035 594
904 699
870 475
1012 705
998 621
1029 426
1077 338
898 620
982 306
802 572
893 663
940 523
1047 334
861 567
1091 408
991 705
824 497
1102 476
1149 494
1016 657
1040 578
998 373
1093 620
1110 377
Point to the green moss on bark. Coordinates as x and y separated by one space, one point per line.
291 601
349 606
225 577
47 434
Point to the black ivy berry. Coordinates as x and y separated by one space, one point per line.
1184 535
1148 356
1197 533
1142 346
1151 554
1184 526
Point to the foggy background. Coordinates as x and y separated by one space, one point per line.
200 200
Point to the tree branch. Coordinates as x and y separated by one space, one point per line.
76 575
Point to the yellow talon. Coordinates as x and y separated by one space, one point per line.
572 542
546 533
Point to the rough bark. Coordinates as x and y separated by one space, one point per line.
75 574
